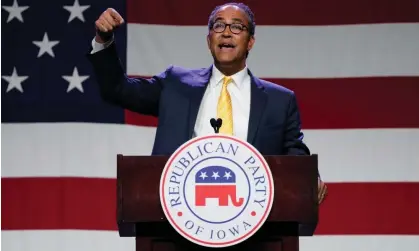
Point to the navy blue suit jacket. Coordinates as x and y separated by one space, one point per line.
174 96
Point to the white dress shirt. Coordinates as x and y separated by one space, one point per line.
239 91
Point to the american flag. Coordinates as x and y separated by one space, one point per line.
354 66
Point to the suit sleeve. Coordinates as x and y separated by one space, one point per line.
136 94
294 144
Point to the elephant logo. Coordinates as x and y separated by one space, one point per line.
216 182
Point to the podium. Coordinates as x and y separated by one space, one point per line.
294 212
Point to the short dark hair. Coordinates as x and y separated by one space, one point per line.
245 8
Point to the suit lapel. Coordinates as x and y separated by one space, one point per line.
196 94
258 100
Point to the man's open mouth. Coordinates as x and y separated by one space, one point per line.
226 46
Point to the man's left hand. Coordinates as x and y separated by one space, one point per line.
322 190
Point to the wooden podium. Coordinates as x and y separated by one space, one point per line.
294 212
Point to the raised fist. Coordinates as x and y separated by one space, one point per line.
106 24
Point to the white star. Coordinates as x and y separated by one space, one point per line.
15 11
203 175
76 10
215 175
75 80
227 175
46 46
15 81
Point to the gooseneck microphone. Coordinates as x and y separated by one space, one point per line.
216 124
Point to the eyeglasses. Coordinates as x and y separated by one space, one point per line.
234 28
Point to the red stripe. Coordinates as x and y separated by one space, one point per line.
366 208
388 102
132 118
89 204
302 12
58 203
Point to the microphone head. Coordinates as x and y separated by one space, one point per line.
219 122
213 122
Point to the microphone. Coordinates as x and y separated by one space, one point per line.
219 123
216 124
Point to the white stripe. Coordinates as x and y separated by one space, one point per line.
64 240
285 51
89 150
70 240
360 243
70 149
366 154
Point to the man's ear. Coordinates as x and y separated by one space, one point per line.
208 41
251 42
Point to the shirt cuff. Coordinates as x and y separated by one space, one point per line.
98 46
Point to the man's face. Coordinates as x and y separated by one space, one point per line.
227 47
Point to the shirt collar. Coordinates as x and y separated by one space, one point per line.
238 78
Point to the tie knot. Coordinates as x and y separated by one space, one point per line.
227 80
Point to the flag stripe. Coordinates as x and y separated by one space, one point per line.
285 51
69 240
59 203
65 240
303 12
357 102
90 204
360 243
364 208
344 103
70 149
89 150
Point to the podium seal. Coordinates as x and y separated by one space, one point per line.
216 190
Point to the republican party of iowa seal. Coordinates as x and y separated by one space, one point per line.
216 190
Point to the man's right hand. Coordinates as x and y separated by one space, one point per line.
106 24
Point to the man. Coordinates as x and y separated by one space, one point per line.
263 113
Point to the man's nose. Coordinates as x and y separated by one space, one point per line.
227 32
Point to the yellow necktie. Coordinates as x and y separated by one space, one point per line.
224 109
